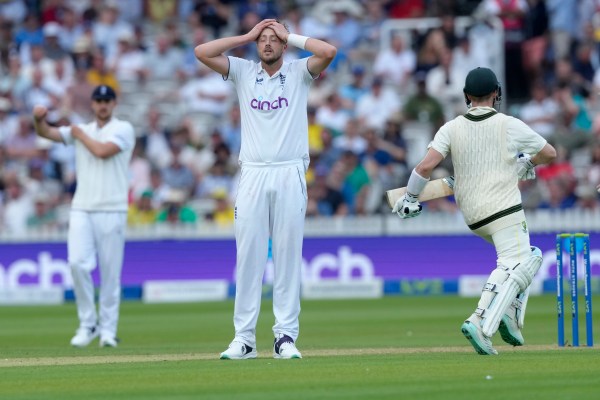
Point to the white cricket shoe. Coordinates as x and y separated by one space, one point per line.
481 343
238 351
107 341
509 329
284 347
84 336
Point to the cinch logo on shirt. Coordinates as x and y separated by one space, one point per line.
265 105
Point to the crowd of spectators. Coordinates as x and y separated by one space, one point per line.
371 114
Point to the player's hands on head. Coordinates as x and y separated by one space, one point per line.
39 113
525 167
258 28
280 31
407 206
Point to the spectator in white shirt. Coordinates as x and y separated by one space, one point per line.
37 60
397 63
377 106
18 206
108 27
541 111
445 82
13 83
71 29
332 114
163 60
9 123
465 59
129 63
207 93
64 74
139 169
351 140
42 91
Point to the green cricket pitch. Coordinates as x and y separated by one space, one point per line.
390 348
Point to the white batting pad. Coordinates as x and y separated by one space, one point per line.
493 315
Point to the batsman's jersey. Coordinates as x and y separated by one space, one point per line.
102 184
484 145
273 110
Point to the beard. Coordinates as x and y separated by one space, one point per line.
103 115
270 59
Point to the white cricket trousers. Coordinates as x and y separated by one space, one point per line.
512 247
511 243
101 236
271 202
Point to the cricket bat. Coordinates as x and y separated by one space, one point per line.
433 190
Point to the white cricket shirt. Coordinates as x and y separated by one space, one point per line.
484 149
273 110
102 184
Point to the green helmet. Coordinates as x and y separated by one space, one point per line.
480 82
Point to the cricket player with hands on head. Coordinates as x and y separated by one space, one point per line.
271 197
490 152
103 149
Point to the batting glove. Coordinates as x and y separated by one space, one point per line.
525 168
407 206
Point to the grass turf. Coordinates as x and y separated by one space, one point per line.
395 347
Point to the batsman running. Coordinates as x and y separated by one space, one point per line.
271 197
490 152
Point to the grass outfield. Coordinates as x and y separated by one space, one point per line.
391 348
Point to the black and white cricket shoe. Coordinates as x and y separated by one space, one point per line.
284 347
84 336
238 351
109 341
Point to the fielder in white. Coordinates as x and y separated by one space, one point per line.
271 198
490 153
98 216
